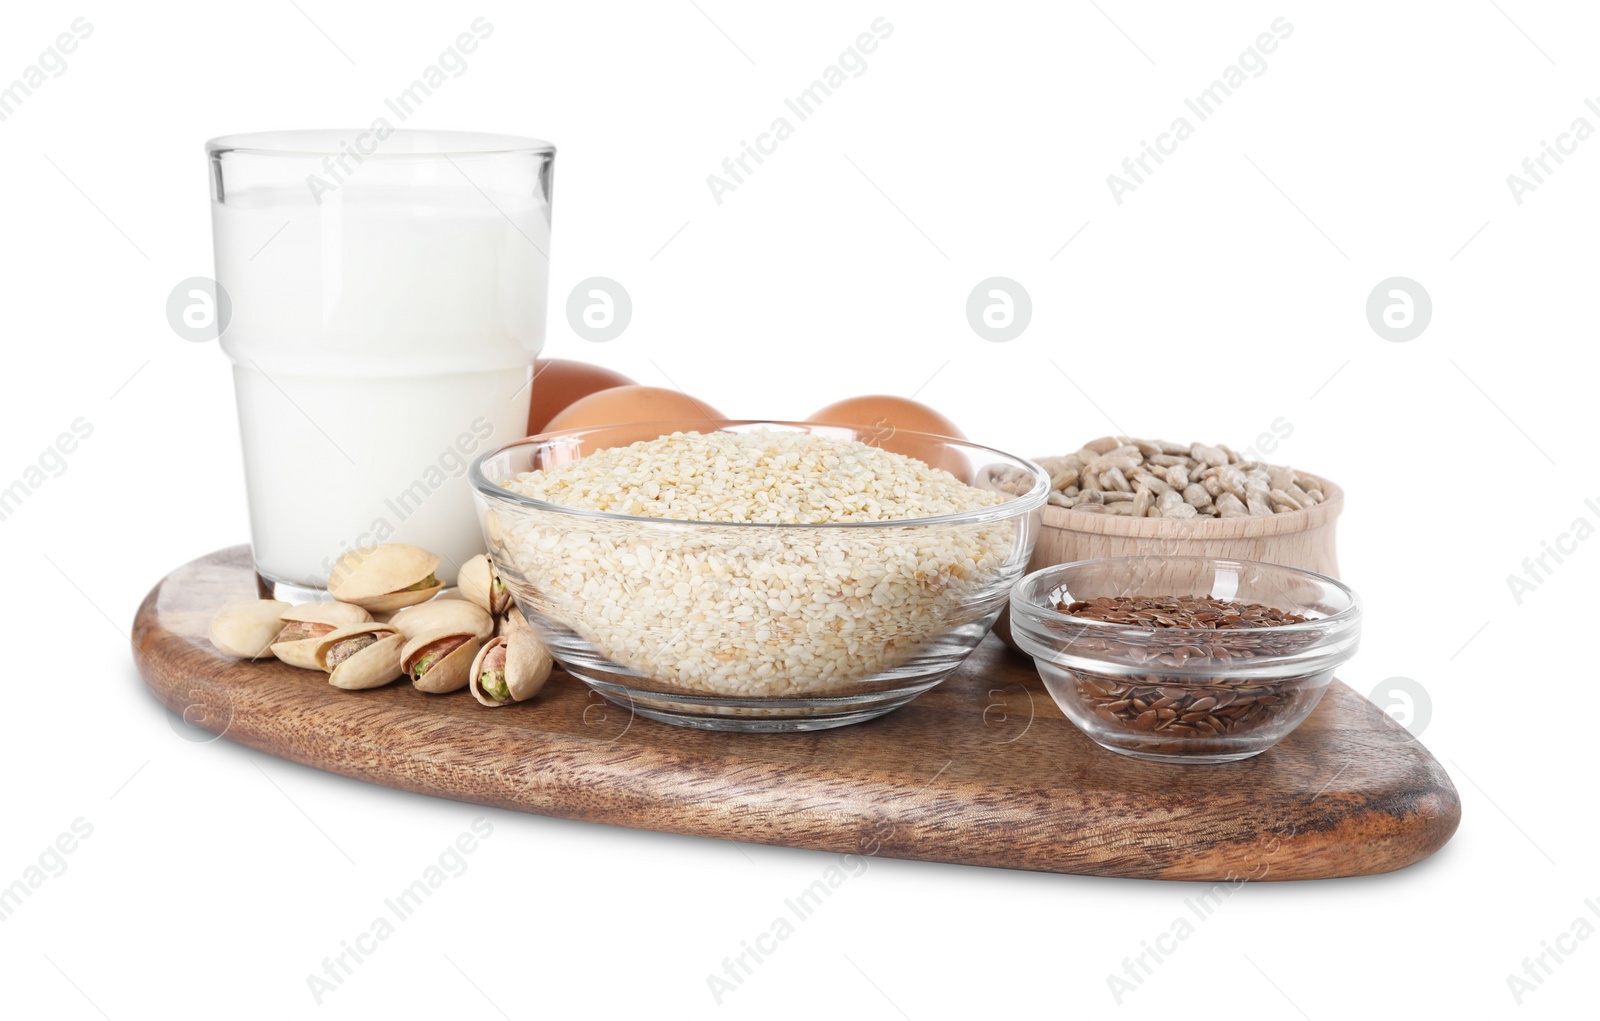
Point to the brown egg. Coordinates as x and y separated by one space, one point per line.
883 419
625 404
557 383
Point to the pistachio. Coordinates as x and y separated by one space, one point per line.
488 677
361 656
439 661
385 577
340 639
444 614
246 628
480 582
510 669
303 626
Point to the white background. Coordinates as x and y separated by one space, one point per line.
1225 292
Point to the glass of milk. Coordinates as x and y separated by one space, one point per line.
388 300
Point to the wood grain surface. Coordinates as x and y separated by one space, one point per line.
1302 538
982 770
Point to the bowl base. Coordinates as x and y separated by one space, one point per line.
757 716
1183 758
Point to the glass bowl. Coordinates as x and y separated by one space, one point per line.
1174 694
756 627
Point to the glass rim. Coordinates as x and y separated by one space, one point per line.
1024 593
319 142
1019 504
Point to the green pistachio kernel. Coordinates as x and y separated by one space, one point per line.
494 685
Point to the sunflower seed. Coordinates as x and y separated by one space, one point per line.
1142 501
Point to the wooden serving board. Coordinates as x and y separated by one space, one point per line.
982 770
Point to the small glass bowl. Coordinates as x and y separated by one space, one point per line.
1185 694
756 627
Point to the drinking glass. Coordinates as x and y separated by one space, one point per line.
388 294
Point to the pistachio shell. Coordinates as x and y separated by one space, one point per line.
335 613
450 672
372 667
513 621
416 640
301 653
474 677
528 666
325 644
400 600
245 628
444 614
479 581
379 578
475 581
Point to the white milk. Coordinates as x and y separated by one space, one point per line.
380 345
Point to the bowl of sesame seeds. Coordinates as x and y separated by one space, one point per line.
762 576
1185 659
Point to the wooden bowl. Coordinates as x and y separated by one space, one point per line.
1303 539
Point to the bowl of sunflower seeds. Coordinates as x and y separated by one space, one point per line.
1119 497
